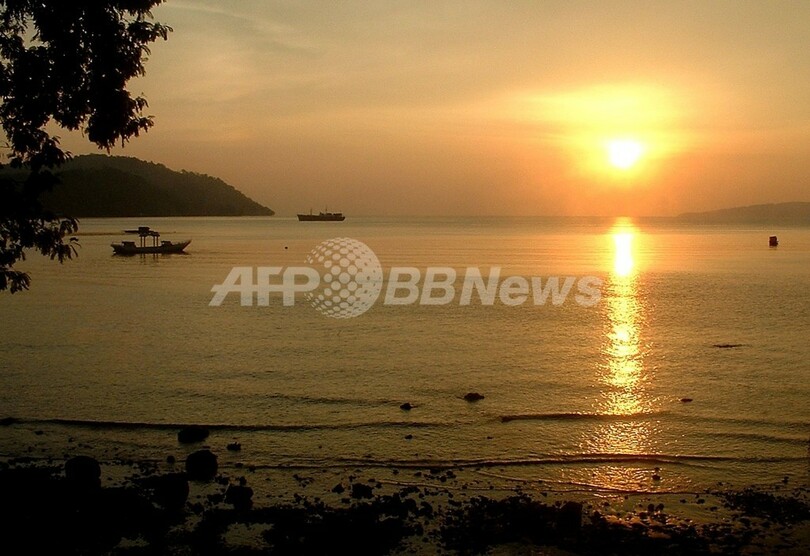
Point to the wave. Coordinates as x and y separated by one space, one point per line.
677 416
644 459
306 399
584 416
136 425
761 437
746 421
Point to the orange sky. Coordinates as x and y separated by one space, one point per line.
490 108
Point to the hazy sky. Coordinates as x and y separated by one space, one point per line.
426 108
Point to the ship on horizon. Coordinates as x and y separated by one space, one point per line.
322 217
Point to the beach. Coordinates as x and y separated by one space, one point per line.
84 505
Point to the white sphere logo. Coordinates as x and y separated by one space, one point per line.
351 277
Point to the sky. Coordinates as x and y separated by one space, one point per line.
484 108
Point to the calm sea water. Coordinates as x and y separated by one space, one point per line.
116 352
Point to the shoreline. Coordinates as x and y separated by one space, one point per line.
79 504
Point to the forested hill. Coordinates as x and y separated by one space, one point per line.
797 213
111 186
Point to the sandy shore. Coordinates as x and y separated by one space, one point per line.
80 505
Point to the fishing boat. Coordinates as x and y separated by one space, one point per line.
149 243
322 217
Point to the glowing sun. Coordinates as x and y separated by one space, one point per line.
624 153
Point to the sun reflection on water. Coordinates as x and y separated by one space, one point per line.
622 377
623 372
623 258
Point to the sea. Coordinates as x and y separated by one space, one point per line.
686 365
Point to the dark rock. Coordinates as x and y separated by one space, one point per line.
201 465
765 505
473 396
656 477
406 406
569 518
6 421
484 522
369 528
170 491
116 513
338 489
192 434
408 437
240 496
234 447
171 460
83 471
360 490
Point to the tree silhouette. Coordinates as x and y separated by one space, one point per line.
68 63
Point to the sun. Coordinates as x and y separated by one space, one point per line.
624 153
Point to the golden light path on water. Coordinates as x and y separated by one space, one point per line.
622 376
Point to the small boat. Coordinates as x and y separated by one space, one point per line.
144 247
322 217
773 241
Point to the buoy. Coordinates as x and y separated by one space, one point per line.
773 241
